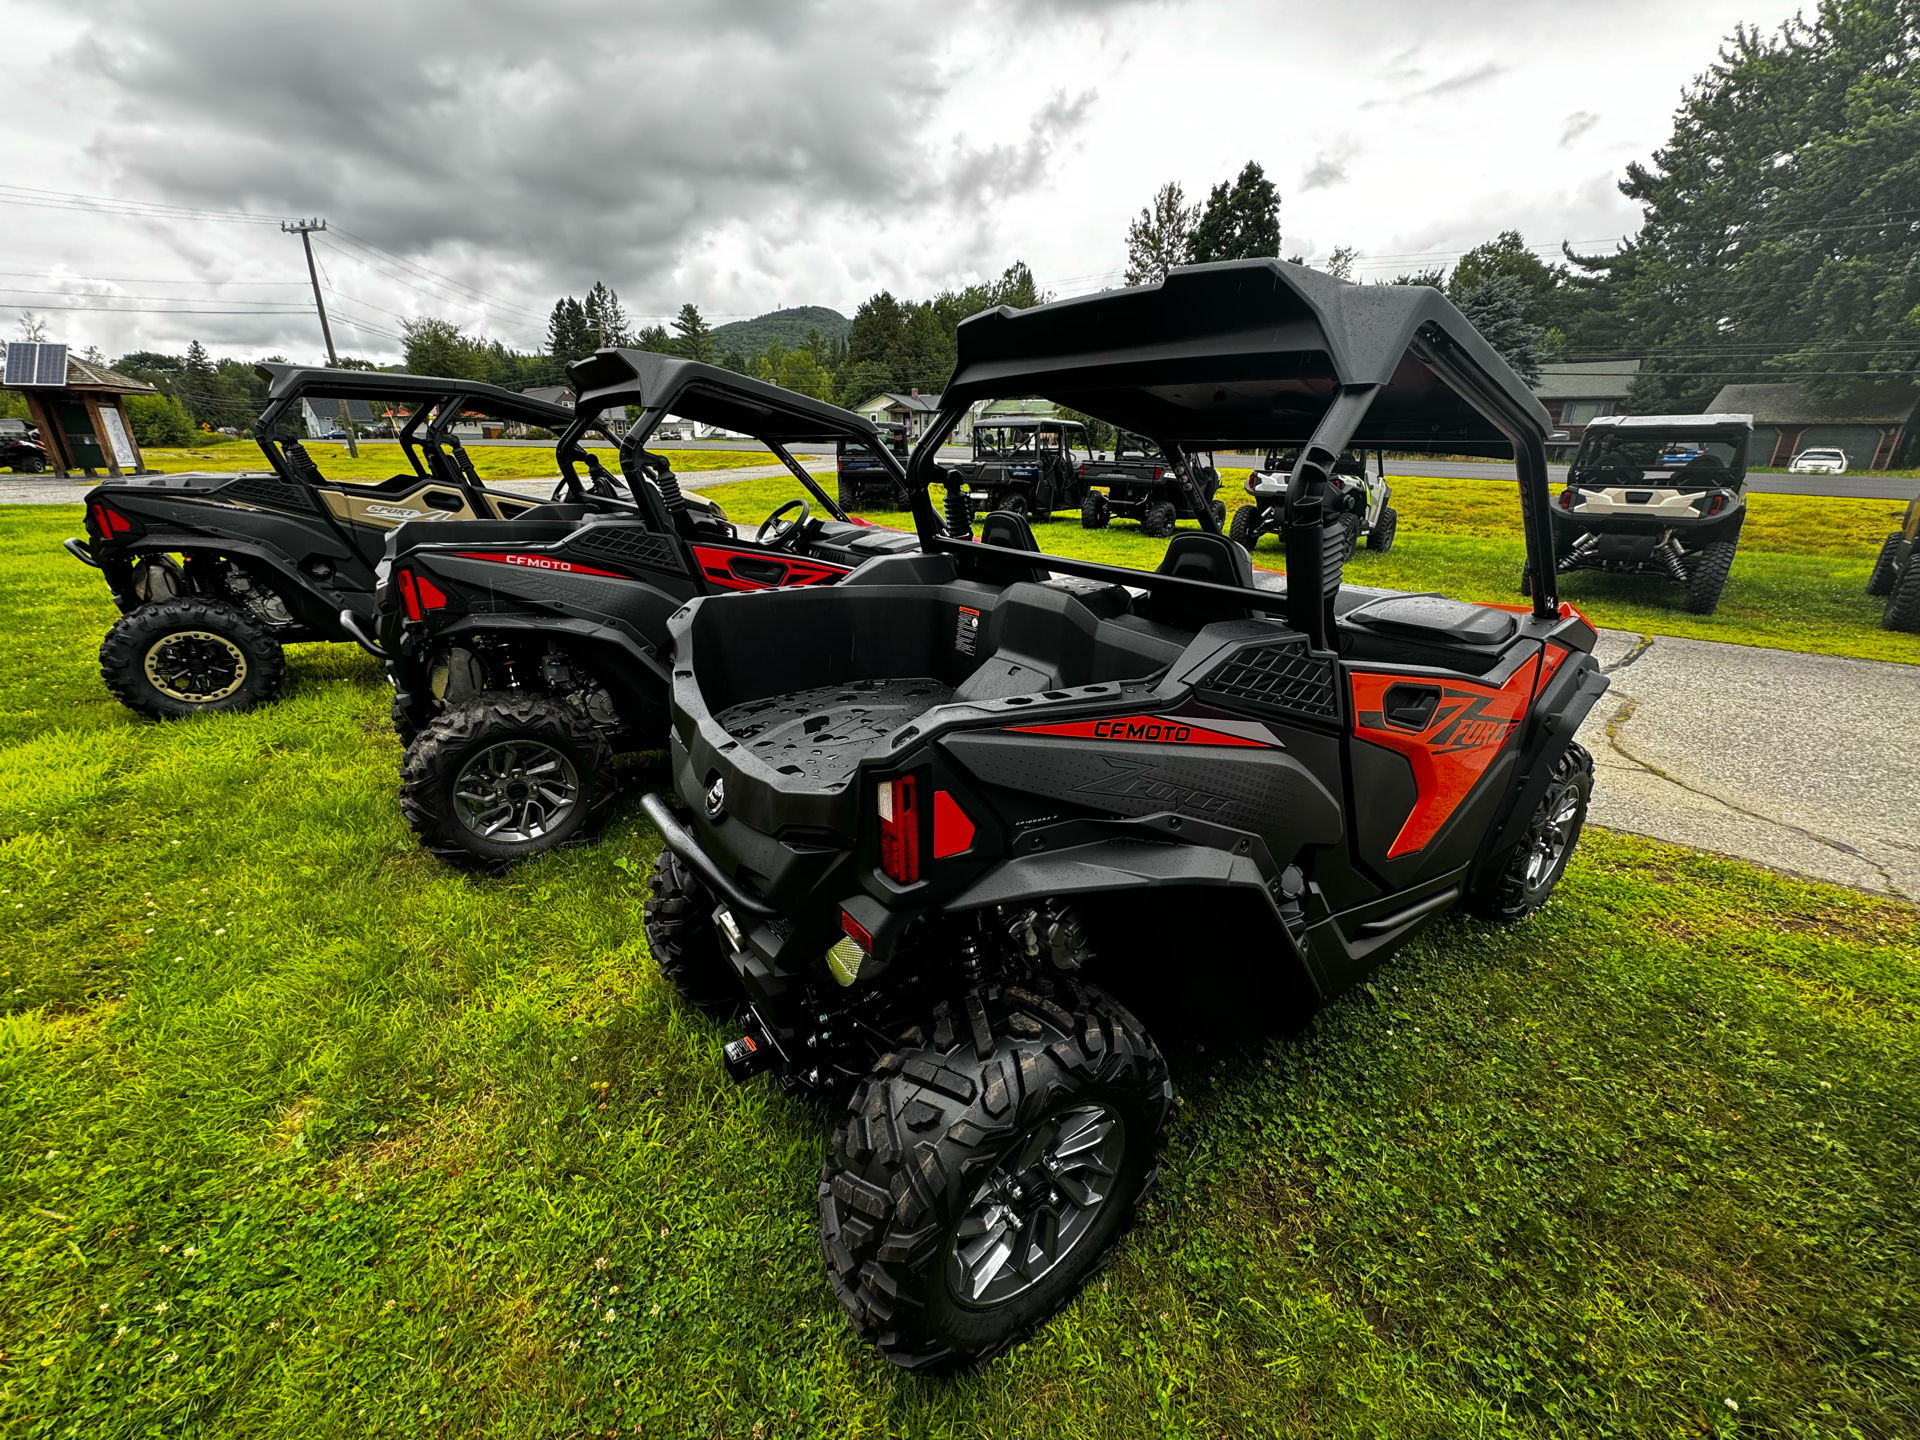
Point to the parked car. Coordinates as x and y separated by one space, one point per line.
1656 495
1819 462
960 821
214 572
20 447
1139 482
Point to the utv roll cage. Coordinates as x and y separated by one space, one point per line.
662 385
437 405
1249 355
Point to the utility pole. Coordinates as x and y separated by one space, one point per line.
304 229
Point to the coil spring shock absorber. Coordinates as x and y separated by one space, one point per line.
959 511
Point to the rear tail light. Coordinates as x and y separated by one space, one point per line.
418 594
110 522
1156 472
900 829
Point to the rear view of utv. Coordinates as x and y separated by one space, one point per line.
1358 496
1656 495
525 654
1138 482
961 819
214 572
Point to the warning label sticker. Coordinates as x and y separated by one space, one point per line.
966 632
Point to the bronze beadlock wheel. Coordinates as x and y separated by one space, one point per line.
188 655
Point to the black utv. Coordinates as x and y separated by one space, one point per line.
1025 464
1656 495
1896 577
524 655
1140 483
213 572
1358 495
963 818
861 479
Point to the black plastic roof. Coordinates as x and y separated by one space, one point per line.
318 382
711 396
1249 353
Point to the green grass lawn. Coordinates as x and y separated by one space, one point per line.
304 1134
1799 582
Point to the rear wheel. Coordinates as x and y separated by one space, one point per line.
1380 537
684 940
986 1172
847 493
188 655
1159 519
1093 511
1880 582
1531 870
1219 514
1245 529
32 464
505 777
1708 576
1903 601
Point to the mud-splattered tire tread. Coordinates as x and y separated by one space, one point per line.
932 1120
678 919
123 655
434 758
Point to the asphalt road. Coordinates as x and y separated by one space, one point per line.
1806 763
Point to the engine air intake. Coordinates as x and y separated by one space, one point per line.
1276 677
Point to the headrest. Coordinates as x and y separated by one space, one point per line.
1201 555
1009 530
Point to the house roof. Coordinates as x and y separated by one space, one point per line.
1586 379
888 400
550 395
358 411
1787 403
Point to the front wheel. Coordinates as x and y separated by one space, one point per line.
505 777
188 655
986 1173
1880 582
1219 508
1380 537
1093 511
1531 870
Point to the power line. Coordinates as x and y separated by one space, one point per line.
114 205
154 310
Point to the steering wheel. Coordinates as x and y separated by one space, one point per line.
776 534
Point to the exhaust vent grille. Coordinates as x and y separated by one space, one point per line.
629 543
268 490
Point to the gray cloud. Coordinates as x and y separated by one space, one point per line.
1576 125
487 136
1329 167
1464 80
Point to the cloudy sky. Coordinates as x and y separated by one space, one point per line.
475 160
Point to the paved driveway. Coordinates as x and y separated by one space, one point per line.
1809 763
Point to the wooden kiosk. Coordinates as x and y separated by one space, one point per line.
79 408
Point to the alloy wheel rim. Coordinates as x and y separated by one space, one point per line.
1040 1201
516 791
195 667
1550 843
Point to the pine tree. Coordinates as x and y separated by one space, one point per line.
1240 222
568 335
1496 305
199 365
605 318
1160 236
696 336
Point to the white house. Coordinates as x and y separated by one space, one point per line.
916 412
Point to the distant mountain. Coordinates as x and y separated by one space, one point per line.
790 326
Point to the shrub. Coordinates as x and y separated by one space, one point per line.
159 420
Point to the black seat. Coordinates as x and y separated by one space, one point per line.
1199 555
1008 531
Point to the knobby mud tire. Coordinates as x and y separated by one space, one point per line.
1880 582
1708 577
435 759
1160 520
1244 529
1094 513
1902 610
1380 537
138 633
678 919
1510 894
933 1121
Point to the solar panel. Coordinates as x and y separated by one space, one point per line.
51 368
31 364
